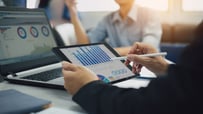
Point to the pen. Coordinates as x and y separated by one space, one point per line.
144 55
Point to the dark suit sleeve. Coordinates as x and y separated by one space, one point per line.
161 93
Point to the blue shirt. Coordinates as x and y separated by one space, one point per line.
141 25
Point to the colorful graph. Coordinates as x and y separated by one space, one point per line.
103 78
45 31
21 32
34 32
91 55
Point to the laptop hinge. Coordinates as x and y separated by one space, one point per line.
1 78
12 74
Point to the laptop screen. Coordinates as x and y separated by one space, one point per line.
25 35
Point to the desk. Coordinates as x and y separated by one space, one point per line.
61 98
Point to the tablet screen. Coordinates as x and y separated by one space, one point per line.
98 59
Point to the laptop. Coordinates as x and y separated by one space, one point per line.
26 42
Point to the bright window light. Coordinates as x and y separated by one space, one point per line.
161 5
97 5
110 5
192 5
32 3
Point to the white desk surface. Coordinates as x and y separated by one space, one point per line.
61 99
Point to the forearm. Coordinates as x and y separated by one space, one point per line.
80 32
100 98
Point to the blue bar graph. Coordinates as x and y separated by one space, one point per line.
91 55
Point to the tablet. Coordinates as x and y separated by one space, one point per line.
97 57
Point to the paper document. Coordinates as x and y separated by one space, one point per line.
55 110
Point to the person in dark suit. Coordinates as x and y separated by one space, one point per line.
178 89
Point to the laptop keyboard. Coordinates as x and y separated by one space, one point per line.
45 76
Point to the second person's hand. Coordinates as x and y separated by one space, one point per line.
157 64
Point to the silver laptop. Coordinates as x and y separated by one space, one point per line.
26 41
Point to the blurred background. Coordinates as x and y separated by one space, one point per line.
179 18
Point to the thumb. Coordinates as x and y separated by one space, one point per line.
68 66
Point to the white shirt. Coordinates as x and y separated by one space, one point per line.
142 25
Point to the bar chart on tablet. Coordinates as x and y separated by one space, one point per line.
91 55
98 59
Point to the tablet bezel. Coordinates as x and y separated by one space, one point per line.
60 54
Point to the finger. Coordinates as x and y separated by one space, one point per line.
134 68
139 67
127 62
136 59
134 49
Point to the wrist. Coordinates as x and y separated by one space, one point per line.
164 68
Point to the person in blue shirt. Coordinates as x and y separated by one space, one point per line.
45 4
122 28
64 13
178 88
56 10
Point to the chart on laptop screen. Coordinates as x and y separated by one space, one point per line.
24 36
98 59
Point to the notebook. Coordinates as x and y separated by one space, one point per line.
26 42
97 57
16 102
